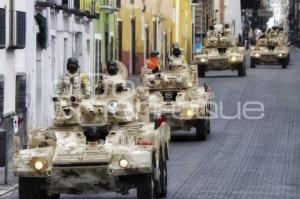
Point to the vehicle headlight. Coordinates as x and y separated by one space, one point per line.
203 60
256 55
179 78
123 163
113 107
190 113
233 59
38 165
280 54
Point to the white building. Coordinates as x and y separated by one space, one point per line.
69 35
233 15
12 56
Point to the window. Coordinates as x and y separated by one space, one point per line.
133 47
20 93
118 4
18 32
98 65
1 95
106 46
147 41
154 35
65 2
120 37
111 47
66 54
2 28
77 4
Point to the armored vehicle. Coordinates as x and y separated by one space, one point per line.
220 52
101 144
174 92
271 48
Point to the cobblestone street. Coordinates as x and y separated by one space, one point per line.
244 158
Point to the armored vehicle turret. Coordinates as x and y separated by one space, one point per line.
174 92
221 52
104 143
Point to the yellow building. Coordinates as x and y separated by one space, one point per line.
183 26
144 26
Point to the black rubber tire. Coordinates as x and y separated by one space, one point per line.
284 63
201 130
145 187
34 188
163 182
201 71
242 70
208 127
253 63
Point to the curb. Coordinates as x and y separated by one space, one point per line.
5 190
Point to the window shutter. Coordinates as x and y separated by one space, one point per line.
1 95
20 93
21 29
77 4
2 28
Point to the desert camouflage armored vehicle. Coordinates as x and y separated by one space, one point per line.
174 92
271 48
221 52
104 143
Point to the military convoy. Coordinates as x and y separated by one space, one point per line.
175 93
271 48
97 144
220 52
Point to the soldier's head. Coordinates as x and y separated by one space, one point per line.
176 50
211 28
154 53
72 65
112 68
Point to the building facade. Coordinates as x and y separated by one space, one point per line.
12 56
144 26
105 34
56 31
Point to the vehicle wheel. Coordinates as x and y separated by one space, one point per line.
163 182
284 63
33 188
208 127
242 70
201 130
147 185
201 71
167 152
253 63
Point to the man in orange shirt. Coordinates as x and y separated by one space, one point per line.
153 62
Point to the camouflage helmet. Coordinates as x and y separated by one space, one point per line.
72 65
154 53
112 68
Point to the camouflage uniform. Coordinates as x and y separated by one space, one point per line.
76 84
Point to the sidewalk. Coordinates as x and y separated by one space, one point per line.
7 189
12 182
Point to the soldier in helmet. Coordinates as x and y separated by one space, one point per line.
74 82
177 57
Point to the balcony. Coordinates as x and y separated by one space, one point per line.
45 3
110 6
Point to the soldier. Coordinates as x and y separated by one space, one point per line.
74 82
177 57
153 63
